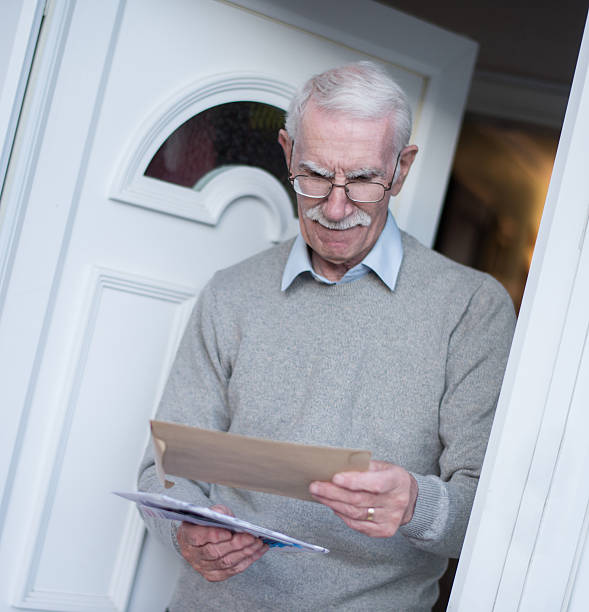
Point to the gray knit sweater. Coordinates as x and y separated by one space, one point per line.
412 375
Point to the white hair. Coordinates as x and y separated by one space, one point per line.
362 90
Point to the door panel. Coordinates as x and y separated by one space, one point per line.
108 262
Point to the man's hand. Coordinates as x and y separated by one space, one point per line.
376 502
215 553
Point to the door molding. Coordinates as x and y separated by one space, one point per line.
16 76
15 198
48 254
29 140
54 456
206 205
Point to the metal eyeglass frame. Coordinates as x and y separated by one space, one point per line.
386 188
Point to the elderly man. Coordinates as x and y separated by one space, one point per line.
352 335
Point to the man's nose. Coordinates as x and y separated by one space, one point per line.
337 205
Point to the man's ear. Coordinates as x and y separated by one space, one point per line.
286 143
405 161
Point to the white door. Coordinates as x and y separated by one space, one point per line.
110 237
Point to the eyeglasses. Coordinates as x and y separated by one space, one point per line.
319 187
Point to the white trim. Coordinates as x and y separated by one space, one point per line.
561 462
419 205
14 202
372 34
518 99
15 199
123 570
206 205
507 538
12 89
125 566
68 602
22 176
184 104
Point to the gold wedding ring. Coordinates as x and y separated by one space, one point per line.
370 514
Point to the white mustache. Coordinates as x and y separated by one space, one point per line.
358 217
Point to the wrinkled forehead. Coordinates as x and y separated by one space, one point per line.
333 138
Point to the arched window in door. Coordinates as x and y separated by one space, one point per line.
230 134
210 145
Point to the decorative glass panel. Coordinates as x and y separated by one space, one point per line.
235 133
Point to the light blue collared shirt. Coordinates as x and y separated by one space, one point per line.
384 259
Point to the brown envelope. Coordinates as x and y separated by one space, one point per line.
244 462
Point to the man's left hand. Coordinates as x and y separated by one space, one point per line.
376 502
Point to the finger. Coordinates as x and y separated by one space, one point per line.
376 481
377 466
358 524
371 528
231 558
357 513
323 491
199 535
222 509
239 542
216 575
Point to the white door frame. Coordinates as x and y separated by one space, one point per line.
15 70
21 19
16 191
526 537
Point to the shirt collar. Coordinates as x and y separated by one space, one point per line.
384 259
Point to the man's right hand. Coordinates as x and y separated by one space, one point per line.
215 553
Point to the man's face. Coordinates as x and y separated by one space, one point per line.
342 148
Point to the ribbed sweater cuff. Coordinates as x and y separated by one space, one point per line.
431 510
